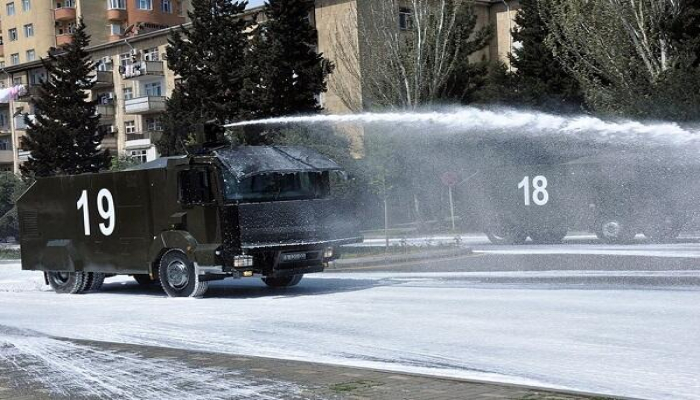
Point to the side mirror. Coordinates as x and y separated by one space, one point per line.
195 187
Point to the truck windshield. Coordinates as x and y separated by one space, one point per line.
276 186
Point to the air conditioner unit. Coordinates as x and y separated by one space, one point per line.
110 95
134 52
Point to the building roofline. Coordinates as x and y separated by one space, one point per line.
126 41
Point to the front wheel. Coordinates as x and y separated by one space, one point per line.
179 277
614 230
66 282
287 281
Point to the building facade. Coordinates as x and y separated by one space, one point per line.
133 81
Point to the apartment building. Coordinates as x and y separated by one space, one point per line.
133 81
31 27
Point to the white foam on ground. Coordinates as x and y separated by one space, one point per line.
612 340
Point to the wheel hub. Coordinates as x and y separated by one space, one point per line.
178 276
61 277
612 229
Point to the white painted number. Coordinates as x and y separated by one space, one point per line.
83 203
540 196
105 206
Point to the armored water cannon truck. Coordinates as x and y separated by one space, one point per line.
185 221
617 192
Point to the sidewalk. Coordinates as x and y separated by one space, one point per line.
294 380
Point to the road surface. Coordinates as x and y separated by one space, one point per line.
624 324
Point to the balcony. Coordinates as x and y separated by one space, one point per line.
64 14
19 121
142 140
31 93
116 14
65 38
142 69
106 111
145 105
23 155
103 79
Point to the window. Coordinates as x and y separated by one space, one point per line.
37 76
31 55
13 34
166 6
405 19
10 9
14 59
145 4
153 89
139 156
71 27
3 120
66 4
130 127
116 4
151 54
29 30
26 5
5 144
17 80
279 187
115 29
128 93
2 65
153 124
124 59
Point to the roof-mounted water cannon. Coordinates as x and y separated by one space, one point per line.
208 136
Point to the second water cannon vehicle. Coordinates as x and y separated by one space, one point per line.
244 211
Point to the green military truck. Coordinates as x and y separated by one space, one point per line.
183 221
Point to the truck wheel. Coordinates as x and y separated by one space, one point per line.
178 276
506 236
614 231
549 236
66 282
144 279
287 281
93 281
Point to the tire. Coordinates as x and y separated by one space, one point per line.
287 281
614 230
144 280
178 276
93 281
506 236
549 236
66 282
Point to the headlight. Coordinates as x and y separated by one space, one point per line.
242 261
328 252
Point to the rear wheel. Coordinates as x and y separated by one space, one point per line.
501 235
287 281
66 282
614 230
93 281
178 276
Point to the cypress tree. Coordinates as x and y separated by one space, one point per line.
209 57
286 73
64 138
541 80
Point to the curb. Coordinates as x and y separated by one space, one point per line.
402 258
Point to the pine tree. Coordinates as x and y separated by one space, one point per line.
64 138
541 80
286 73
209 57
